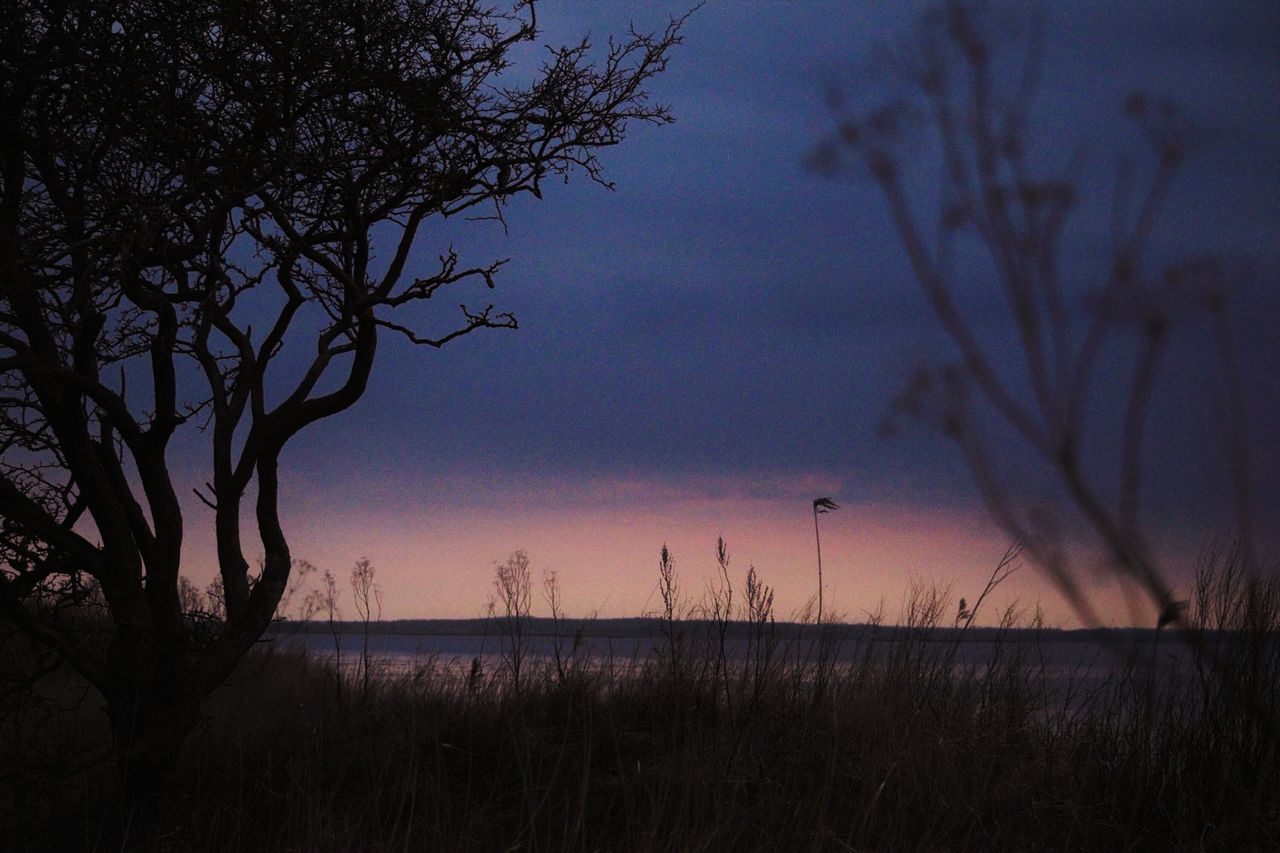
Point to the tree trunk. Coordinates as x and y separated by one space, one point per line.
154 704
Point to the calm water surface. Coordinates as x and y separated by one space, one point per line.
1067 664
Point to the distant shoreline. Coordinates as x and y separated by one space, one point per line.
647 626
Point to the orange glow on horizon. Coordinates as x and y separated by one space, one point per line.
603 540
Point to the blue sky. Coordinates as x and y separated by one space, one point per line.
714 343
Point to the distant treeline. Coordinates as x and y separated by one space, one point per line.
646 626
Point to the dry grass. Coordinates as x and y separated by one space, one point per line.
810 742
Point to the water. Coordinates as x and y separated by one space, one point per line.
407 652
1071 663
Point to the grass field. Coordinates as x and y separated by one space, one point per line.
797 745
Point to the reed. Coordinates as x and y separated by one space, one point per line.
829 737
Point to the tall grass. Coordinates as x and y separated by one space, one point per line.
825 738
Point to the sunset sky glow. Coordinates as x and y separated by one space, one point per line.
707 349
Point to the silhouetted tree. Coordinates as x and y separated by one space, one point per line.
368 600
186 191
510 605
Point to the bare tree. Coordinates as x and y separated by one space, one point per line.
190 598
551 593
325 600
184 190
992 195
368 601
510 605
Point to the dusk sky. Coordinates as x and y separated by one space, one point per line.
714 344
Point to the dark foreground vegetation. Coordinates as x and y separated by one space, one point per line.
784 744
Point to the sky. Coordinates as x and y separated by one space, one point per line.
716 342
